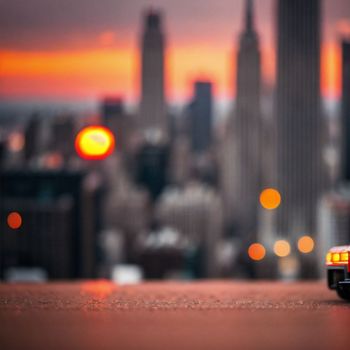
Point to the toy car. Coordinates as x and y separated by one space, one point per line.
338 271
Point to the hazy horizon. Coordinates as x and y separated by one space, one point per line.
84 50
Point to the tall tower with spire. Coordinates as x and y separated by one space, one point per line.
152 107
242 161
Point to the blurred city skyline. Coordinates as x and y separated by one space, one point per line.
85 53
186 194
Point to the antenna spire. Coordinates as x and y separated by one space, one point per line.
249 15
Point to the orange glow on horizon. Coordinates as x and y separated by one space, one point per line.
107 38
96 72
95 143
75 73
199 62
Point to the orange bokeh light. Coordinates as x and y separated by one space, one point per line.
257 251
281 248
14 220
99 289
270 198
16 142
95 143
306 244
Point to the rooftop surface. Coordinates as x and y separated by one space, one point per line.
202 315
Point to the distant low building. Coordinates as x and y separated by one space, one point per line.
115 117
32 138
63 132
196 212
180 160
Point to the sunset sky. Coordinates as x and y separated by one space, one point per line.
84 49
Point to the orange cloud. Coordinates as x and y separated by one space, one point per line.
343 27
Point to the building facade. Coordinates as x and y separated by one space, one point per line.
300 172
60 222
201 117
242 161
195 211
345 112
152 114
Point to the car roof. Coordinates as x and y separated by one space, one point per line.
340 249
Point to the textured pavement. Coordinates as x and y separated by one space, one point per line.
204 315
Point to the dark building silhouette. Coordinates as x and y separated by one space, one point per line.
116 119
201 117
247 130
63 136
300 173
32 138
2 152
110 107
345 112
152 112
152 167
60 212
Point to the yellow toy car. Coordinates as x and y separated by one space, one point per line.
338 271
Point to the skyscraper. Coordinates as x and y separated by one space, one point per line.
345 112
152 167
247 131
60 212
196 212
152 110
63 134
201 116
298 116
32 135
117 120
